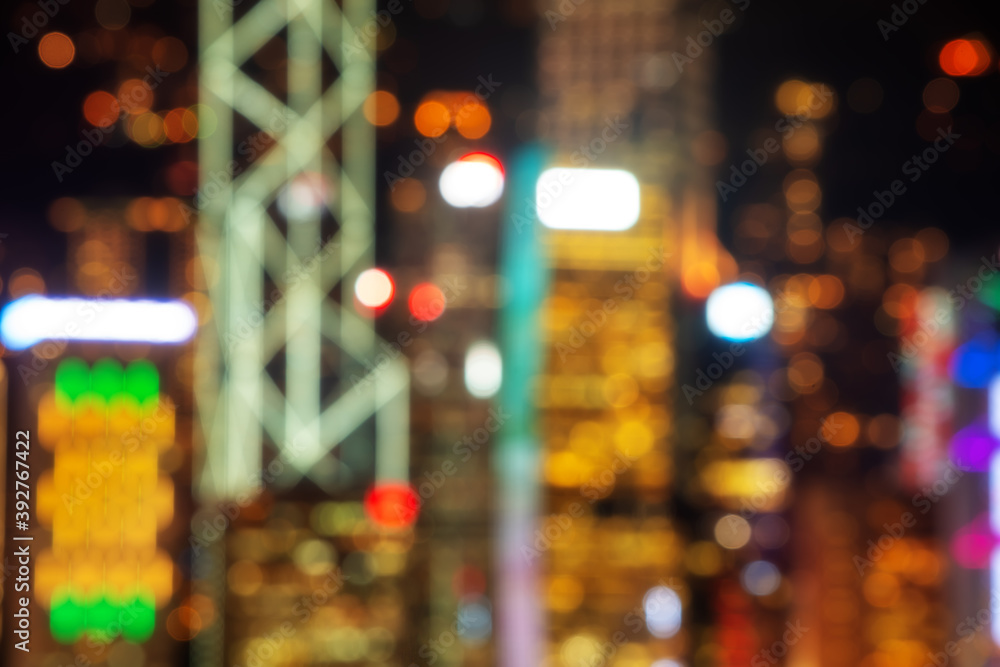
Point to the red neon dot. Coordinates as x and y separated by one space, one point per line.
392 505
964 57
427 302
485 158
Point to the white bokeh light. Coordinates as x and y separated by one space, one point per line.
483 369
471 183
760 578
663 611
374 288
304 196
739 312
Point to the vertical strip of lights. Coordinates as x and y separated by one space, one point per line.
104 500
3 460
520 627
994 504
927 403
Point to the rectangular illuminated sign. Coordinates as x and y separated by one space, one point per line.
587 199
33 319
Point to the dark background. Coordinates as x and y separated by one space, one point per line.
442 45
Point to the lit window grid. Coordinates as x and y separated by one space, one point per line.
104 501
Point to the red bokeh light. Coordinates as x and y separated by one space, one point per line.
964 57
392 505
426 302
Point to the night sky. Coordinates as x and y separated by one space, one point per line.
448 47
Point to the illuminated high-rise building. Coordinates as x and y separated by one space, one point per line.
622 211
852 583
110 452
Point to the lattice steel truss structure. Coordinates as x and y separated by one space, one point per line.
285 361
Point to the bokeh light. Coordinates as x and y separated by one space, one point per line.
135 96
113 14
842 429
964 57
169 54
739 312
760 578
663 611
427 302
473 120
432 119
56 50
392 505
941 95
973 364
101 109
475 180
483 369
408 195
374 288
732 531
381 108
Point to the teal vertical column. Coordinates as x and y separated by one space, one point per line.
517 453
